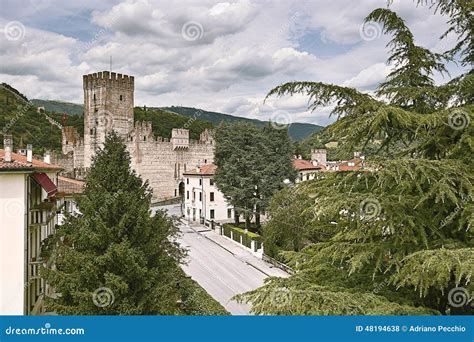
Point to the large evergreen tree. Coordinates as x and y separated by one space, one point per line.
114 258
252 164
396 238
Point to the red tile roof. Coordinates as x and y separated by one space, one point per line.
19 163
69 186
204 170
344 166
301 165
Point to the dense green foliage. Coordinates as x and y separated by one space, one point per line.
397 237
19 116
115 258
163 122
297 131
252 164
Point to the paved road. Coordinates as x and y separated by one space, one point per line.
221 267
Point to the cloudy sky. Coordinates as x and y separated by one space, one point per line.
215 55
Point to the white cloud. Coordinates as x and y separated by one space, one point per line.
245 49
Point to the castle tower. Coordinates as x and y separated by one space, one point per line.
108 103
319 155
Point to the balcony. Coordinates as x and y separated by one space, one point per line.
33 269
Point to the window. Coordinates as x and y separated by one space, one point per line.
200 197
94 97
187 180
211 197
121 97
205 161
307 177
200 181
200 213
92 131
212 213
194 195
144 138
175 193
229 213
211 181
187 194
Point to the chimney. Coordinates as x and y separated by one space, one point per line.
8 147
29 153
47 157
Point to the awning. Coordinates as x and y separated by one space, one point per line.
46 183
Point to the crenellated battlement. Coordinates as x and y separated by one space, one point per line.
108 79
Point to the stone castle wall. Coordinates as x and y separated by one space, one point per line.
108 105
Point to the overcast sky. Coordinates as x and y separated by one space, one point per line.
218 56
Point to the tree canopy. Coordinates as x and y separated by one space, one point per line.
114 257
396 237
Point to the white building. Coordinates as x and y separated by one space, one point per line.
68 188
202 200
27 216
307 170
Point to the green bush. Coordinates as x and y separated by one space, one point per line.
247 237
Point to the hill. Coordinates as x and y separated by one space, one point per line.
59 106
297 131
19 117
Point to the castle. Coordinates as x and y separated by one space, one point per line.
108 105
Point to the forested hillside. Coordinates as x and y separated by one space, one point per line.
19 116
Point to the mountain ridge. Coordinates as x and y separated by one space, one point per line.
297 131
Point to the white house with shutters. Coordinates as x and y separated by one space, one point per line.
28 215
202 199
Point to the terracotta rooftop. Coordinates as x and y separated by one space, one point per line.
301 164
355 164
69 186
204 170
19 163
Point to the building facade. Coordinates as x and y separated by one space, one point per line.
28 215
202 199
108 105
